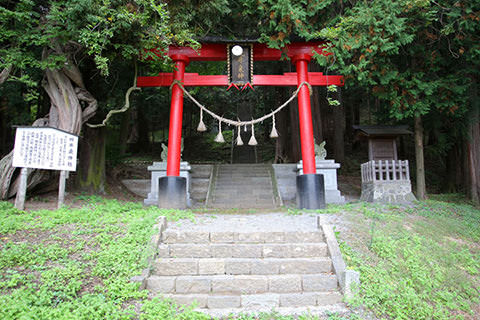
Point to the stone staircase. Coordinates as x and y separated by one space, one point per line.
231 268
200 175
243 186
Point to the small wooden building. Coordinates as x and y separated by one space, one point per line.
382 140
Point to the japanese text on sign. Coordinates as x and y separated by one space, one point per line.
45 148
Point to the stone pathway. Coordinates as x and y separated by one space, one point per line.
247 263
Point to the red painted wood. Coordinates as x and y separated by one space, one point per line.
305 116
176 115
193 79
218 51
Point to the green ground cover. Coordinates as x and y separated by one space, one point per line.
417 262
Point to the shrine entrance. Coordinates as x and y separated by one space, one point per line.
172 188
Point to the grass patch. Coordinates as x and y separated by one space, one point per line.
416 262
76 263
419 262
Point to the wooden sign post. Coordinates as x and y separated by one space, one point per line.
44 148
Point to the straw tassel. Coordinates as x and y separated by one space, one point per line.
253 141
219 138
201 126
274 133
239 137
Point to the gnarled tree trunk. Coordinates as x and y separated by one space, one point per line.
67 92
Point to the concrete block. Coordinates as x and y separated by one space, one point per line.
274 237
223 302
156 284
240 285
321 282
222 237
221 250
200 300
352 282
211 266
196 237
265 266
285 283
188 284
305 265
174 267
163 251
246 251
297 250
300 236
190 250
238 266
260 301
250 237
308 250
276 250
298 300
328 298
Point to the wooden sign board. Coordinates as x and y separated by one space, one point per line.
240 63
45 148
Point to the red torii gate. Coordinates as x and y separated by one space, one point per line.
300 54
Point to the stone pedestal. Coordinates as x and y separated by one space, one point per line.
399 191
158 170
328 168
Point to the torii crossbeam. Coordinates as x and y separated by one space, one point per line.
300 54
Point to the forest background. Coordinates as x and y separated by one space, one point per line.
414 62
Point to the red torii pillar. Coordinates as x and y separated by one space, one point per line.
310 186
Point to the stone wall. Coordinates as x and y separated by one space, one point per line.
399 191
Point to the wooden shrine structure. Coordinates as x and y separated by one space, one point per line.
241 56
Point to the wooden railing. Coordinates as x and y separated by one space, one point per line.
385 170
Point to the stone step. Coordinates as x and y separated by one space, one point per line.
252 186
200 183
180 236
242 284
258 301
240 266
242 205
198 195
265 250
203 171
245 199
313 312
242 177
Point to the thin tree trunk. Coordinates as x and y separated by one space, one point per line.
124 131
3 125
3 111
5 74
421 189
452 160
474 146
91 171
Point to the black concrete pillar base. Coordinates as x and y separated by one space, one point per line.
310 191
172 192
